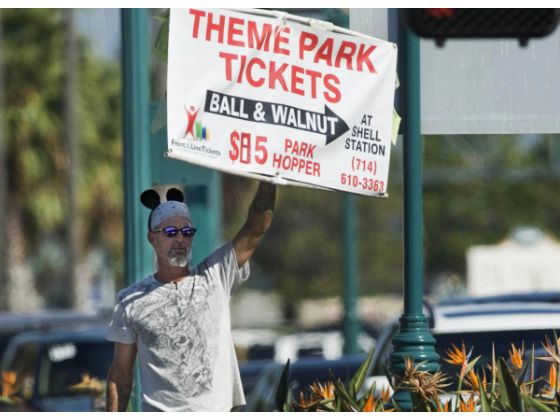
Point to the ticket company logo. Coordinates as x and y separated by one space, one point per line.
195 130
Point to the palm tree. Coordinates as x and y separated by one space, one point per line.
35 158
40 177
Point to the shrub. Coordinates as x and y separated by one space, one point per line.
502 385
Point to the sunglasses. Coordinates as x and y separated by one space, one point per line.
172 231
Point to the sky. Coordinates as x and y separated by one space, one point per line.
103 28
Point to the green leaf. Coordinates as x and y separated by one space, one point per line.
341 390
485 405
338 403
508 388
473 362
523 370
536 404
162 39
532 364
362 402
492 370
396 405
500 406
282 390
327 404
360 376
164 15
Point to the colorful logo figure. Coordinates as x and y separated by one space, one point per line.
195 128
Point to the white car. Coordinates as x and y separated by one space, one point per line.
478 322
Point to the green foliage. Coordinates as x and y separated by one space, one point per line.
302 251
302 254
36 152
162 38
33 41
360 376
477 189
101 185
283 389
508 389
334 395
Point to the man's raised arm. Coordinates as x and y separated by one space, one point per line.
258 222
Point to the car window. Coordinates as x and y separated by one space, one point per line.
305 372
24 364
261 352
64 365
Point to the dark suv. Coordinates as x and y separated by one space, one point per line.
60 369
14 324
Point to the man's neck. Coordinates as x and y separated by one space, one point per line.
167 273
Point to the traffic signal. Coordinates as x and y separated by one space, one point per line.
441 24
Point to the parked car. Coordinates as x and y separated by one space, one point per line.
266 344
260 392
13 324
250 372
61 369
308 352
481 324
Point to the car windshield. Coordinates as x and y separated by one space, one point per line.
74 367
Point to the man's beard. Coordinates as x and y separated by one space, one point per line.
179 257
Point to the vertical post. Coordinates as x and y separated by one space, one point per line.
137 174
351 325
414 339
4 301
76 289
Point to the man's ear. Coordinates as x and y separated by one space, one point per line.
150 237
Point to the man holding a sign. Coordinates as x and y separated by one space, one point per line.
177 321
257 94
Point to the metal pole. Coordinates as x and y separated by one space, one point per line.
351 326
76 289
137 173
414 339
4 300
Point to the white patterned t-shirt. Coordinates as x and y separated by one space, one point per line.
183 334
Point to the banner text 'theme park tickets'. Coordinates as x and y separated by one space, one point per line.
255 96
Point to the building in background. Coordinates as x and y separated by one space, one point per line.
527 261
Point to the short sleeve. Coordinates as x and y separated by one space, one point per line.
119 328
223 263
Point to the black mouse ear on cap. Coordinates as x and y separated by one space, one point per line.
150 199
173 194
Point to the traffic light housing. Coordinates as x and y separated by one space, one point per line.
522 24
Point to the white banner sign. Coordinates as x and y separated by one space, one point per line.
266 97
